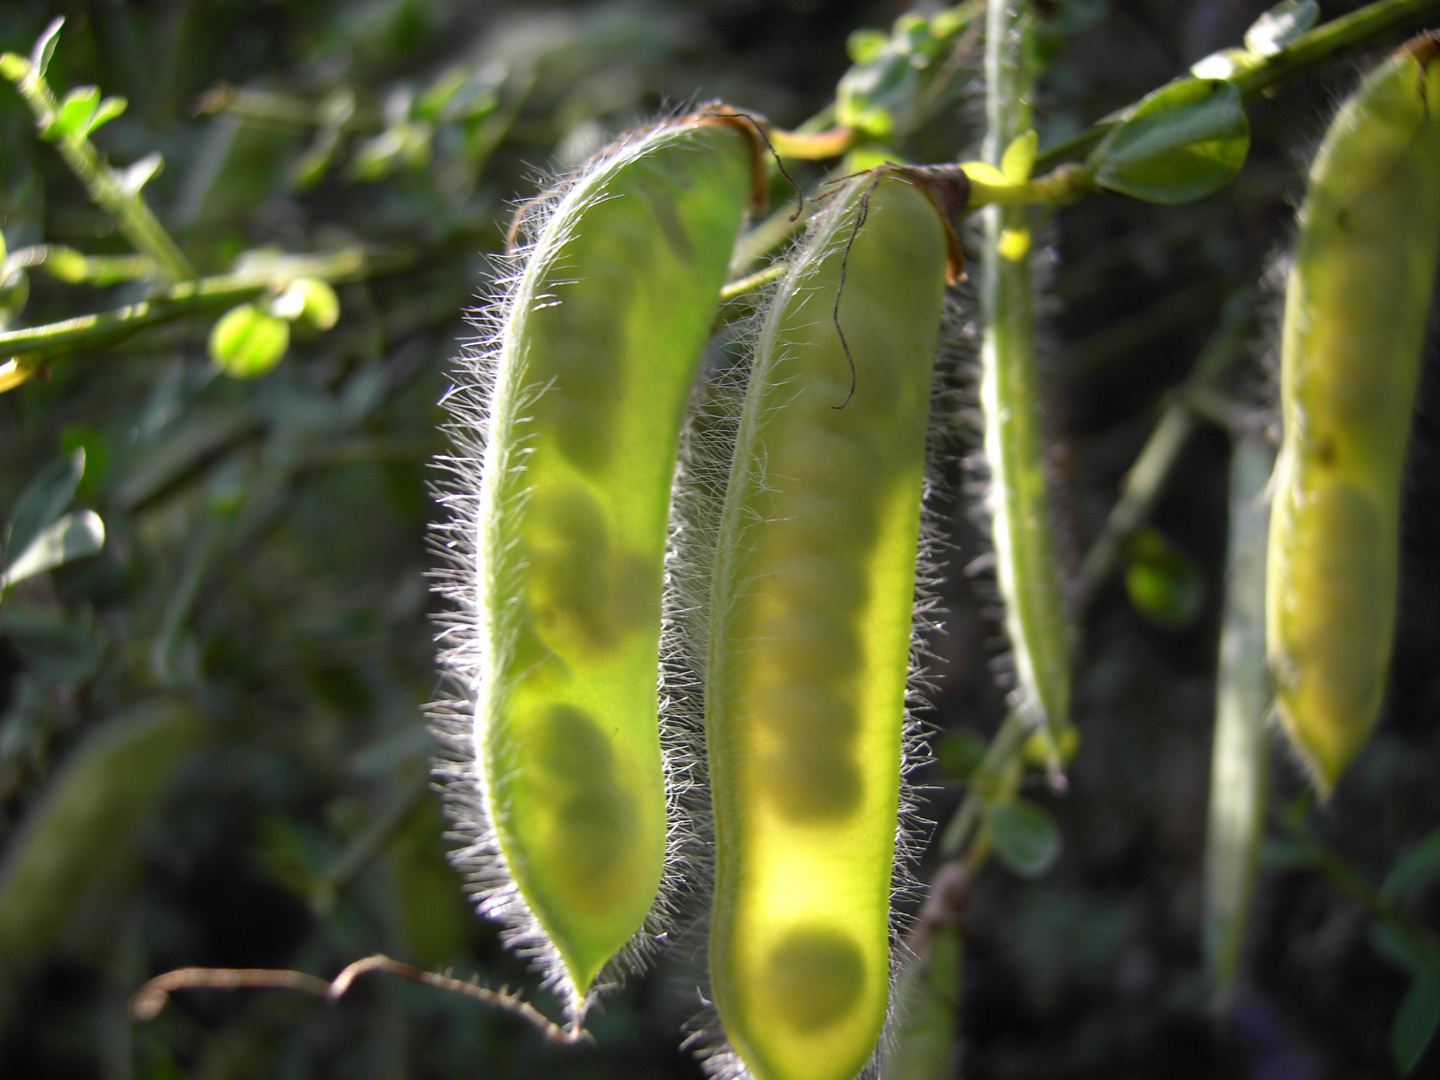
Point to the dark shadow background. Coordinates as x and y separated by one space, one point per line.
267 556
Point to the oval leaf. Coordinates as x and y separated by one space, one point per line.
1414 870
1281 25
1180 143
248 342
309 300
75 113
42 502
959 753
44 47
106 111
1164 583
74 536
1415 1023
1025 836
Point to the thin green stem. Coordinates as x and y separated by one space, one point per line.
1352 883
67 264
1302 55
37 343
1147 477
370 842
1004 749
288 112
106 190
750 283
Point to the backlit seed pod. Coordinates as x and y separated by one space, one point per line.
810 633
559 533
1356 306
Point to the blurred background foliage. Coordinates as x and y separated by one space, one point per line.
211 745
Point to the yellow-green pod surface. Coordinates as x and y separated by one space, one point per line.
808 652
596 353
1356 306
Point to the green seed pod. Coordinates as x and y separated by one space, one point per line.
88 821
558 535
810 634
1027 566
1240 755
1356 306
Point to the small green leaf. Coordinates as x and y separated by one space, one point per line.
14 294
1225 64
1163 582
927 994
959 753
42 502
1414 1024
106 111
315 161
96 448
1418 867
140 173
74 115
1019 157
13 67
74 536
65 264
247 342
309 300
1406 947
865 44
431 104
44 47
1182 142
880 94
1281 25
1025 836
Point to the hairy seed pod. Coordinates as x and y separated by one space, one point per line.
560 555
810 630
1356 307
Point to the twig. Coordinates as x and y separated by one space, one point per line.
751 282
1147 477
67 264
105 187
37 343
1301 55
369 843
1004 747
151 998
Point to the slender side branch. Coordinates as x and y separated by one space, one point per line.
36 343
751 282
1005 746
106 189
1147 477
1304 54
151 998
67 264
1058 185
